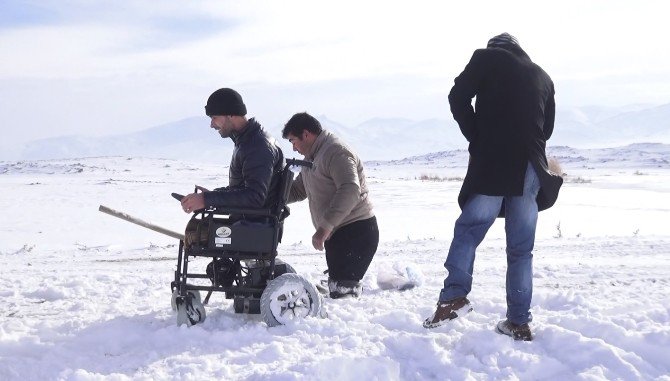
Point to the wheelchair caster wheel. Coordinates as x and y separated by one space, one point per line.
175 294
289 297
190 310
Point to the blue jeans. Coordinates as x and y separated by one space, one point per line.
478 214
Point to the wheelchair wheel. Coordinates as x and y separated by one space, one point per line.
190 310
289 297
175 294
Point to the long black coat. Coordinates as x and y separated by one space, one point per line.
254 174
509 126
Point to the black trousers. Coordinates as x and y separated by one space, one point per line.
350 250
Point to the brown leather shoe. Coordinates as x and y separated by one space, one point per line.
518 332
447 311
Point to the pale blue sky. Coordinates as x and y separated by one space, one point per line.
98 68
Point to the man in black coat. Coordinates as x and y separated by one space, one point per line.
507 176
254 174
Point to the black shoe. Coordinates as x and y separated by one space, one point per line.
517 332
447 311
344 288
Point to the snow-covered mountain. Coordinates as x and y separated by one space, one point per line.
187 138
602 127
375 139
191 139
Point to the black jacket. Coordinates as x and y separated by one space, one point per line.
509 126
254 175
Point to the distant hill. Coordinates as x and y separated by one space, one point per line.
188 138
375 139
591 127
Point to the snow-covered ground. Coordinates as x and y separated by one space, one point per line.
86 296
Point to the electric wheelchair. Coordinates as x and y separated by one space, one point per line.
240 249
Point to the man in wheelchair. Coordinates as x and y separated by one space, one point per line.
239 227
256 163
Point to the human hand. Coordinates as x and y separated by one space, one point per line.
193 202
201 189
321 235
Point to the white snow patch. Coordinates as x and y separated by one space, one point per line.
87 297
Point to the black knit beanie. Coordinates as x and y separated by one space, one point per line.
225 102
502 39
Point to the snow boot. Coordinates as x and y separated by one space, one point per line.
517 332
447 311
344 288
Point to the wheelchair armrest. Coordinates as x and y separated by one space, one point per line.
297 162
249 212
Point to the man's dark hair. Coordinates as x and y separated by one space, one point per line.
300 122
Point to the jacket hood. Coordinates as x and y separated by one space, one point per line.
512 48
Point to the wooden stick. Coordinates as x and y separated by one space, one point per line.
137 221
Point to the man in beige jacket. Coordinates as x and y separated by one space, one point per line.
338 202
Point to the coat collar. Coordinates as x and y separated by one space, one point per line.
318 143
249 130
